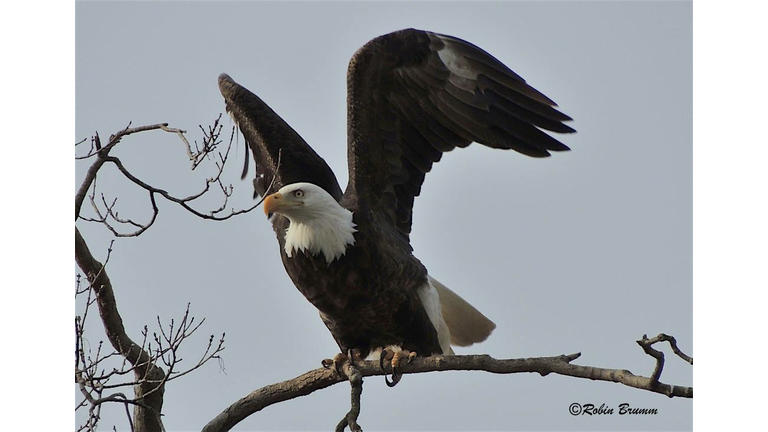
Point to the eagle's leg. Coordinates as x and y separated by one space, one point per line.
396 358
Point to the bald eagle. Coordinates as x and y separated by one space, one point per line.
412 95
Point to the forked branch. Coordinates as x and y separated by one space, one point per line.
209 149
647 346
136 355
142 360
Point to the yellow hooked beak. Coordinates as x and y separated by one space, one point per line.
272 203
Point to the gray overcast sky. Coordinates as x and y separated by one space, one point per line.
584 251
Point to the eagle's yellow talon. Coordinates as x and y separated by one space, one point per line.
398 358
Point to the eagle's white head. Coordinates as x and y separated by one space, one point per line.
318 224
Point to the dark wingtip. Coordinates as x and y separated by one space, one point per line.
225 77
226 84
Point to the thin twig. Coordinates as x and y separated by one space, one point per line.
647 346
672 342
102 154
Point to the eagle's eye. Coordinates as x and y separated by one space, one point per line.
298 193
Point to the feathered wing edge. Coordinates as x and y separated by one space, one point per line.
278 151
414 95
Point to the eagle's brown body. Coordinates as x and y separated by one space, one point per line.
356 302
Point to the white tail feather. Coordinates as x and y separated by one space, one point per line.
430 298
466 324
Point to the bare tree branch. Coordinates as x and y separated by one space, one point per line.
140 360
321 378
102 153
109 217
144 419
647 346
93 380
184 202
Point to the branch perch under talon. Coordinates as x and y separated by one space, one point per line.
321 378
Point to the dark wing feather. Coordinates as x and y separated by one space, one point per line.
413 95
271 140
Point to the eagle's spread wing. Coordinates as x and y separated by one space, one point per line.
272 141
413 95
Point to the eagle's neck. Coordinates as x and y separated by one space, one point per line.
329 233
